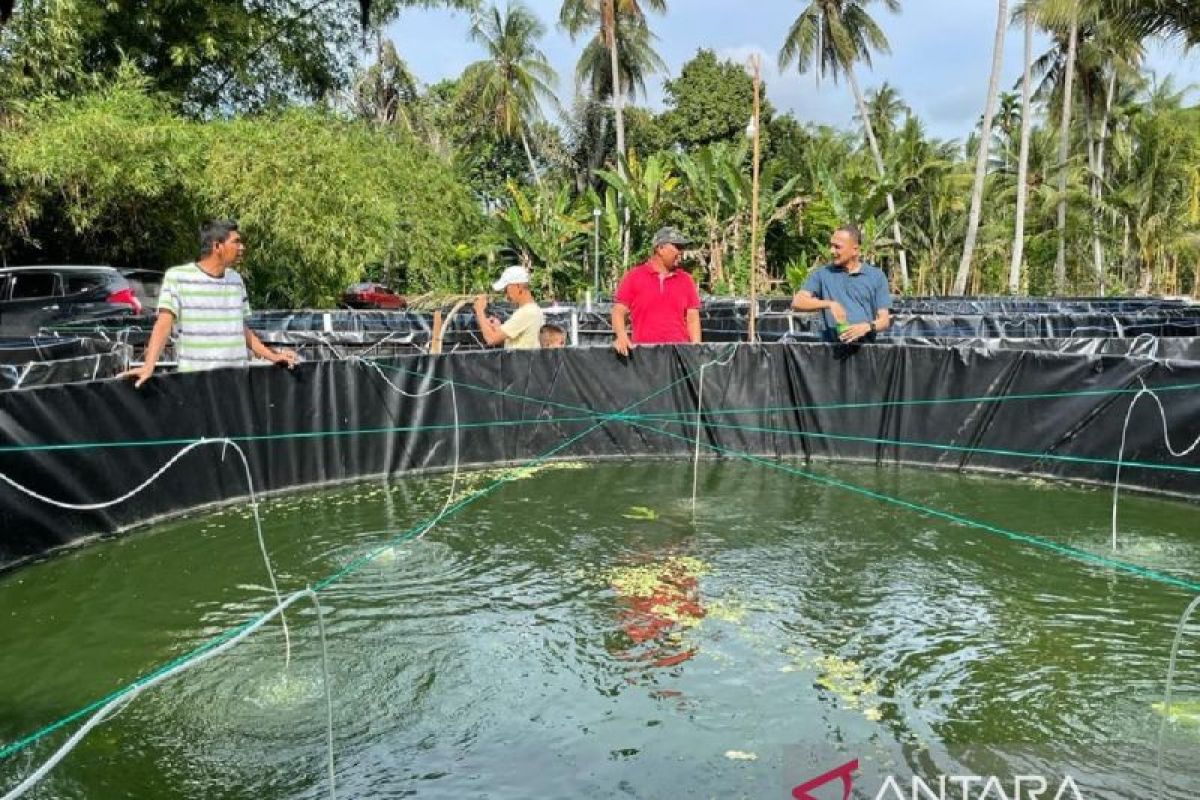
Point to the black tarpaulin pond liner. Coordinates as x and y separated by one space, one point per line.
1179 348
1055 415
39 361
321 334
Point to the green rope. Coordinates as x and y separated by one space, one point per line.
25 741
267 437
1026 538
822 406
1046 456
1183 387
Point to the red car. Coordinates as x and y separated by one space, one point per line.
372 295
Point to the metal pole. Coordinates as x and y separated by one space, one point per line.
596 252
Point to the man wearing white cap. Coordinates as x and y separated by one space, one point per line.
520 331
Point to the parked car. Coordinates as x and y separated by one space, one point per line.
31 297
146 285
372 295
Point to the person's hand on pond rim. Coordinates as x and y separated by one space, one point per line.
621 345
285 356
138 375
853 333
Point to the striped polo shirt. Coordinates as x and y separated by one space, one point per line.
210 317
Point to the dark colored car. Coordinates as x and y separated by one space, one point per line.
31 297
372 295
146 285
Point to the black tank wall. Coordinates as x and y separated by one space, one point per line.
262 408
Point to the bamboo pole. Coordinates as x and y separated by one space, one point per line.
756 72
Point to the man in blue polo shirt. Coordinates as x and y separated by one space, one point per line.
852 296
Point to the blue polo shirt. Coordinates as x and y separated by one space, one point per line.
861 293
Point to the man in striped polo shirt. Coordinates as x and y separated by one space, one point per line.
206 301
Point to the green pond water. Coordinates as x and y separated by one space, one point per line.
580 633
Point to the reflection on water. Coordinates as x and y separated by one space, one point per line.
580 632
659 602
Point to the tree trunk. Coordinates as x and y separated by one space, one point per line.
1064 145
874 145
1098 179
610 21
985 147
610 25
595 153
1125 264
1018 252
1145 276
533 170
716 271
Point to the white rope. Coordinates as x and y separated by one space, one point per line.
158 473
118 703
1121 452
1166 711
1150 337
454 404
390 337
717 362
24 374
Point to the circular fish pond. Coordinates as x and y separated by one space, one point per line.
585 631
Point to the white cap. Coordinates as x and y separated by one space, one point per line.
510 276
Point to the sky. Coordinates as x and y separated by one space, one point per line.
940 60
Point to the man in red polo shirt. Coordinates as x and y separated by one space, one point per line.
660 298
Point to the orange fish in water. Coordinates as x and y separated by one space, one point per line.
648 619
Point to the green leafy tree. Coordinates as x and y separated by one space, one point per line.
711 101
118 176
225 55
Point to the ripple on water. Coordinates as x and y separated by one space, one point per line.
548 642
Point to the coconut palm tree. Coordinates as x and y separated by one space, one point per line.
1053 12
884 108
1018 248
1144 18
1110 58
386 92
830 37
981 160
1155 185
616 22
505 87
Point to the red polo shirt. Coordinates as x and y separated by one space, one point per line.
658 303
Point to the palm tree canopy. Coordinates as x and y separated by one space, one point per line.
831 35
1168 18
506 86
636 59
576 16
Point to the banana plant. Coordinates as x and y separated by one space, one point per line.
648 190
547 232
712 197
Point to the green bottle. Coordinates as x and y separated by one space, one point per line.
842 327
